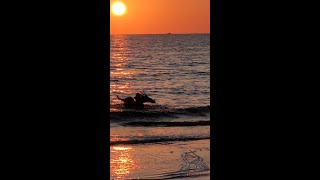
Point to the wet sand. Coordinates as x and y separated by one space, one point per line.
159 160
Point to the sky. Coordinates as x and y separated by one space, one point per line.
161 16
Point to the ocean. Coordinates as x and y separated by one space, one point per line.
170 138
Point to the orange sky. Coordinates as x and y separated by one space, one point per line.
162 16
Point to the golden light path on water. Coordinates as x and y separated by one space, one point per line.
119 60
122 163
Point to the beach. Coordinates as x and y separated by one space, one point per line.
170 138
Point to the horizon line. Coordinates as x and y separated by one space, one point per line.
156 33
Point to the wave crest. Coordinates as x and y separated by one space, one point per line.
157 140
157 112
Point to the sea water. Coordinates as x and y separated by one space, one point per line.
171 138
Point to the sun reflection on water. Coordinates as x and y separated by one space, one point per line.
122 162
120 74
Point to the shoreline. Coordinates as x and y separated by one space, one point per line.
157 160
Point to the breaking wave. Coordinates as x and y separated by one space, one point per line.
157 140
168 124
157 112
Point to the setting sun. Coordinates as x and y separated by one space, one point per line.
159 16
118 8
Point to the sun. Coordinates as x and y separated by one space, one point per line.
118 8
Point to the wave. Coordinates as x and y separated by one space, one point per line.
156 112
168 124
178 174
157 140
